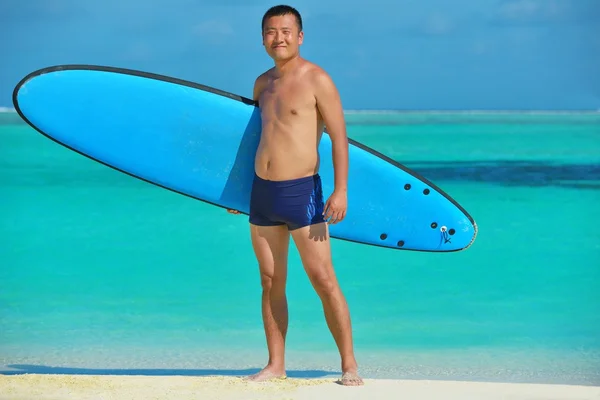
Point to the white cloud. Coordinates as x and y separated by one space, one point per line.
518 9
212 27
138 51
214 32
438 24
533 10
480 47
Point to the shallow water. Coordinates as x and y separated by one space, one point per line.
104 273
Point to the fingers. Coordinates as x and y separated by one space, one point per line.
337 216
326 210
333 214
232 211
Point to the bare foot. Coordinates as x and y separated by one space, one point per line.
267 374
351 379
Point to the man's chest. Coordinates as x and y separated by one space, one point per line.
282 98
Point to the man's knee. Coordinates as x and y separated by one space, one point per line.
323 279
272 282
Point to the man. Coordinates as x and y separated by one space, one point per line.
296 99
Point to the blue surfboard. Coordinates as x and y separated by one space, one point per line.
200 142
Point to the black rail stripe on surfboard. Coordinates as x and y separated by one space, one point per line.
245 100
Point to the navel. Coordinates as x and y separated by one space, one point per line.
294 112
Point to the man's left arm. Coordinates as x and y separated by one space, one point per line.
330 107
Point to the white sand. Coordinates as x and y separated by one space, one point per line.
83 387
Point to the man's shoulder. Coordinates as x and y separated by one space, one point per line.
315 73
264 76
314 70
260 83
317 76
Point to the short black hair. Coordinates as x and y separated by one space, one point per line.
280 10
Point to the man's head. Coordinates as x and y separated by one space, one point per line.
282 32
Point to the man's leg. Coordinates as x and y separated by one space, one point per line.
315 251
271 245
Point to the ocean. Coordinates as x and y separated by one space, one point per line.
102 273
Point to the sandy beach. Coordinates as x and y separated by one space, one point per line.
83 387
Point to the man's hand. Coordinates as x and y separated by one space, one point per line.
232 211
335 207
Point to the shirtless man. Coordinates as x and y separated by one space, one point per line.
296 99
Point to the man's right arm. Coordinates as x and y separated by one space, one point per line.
258 88
259 85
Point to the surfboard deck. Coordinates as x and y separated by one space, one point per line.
200 142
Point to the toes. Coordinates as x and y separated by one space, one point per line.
349 379
266 375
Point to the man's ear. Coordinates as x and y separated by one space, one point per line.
301 37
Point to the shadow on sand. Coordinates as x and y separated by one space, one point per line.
19 369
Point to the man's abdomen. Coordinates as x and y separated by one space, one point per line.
279 160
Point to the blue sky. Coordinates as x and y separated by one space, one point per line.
393 54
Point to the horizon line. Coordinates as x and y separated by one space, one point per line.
424 110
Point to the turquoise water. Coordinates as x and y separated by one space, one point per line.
103 273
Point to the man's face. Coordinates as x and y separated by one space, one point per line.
281 37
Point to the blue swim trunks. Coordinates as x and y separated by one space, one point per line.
295 203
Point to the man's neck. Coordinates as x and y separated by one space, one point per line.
283 67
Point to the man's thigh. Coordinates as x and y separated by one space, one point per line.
271 244
314 247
